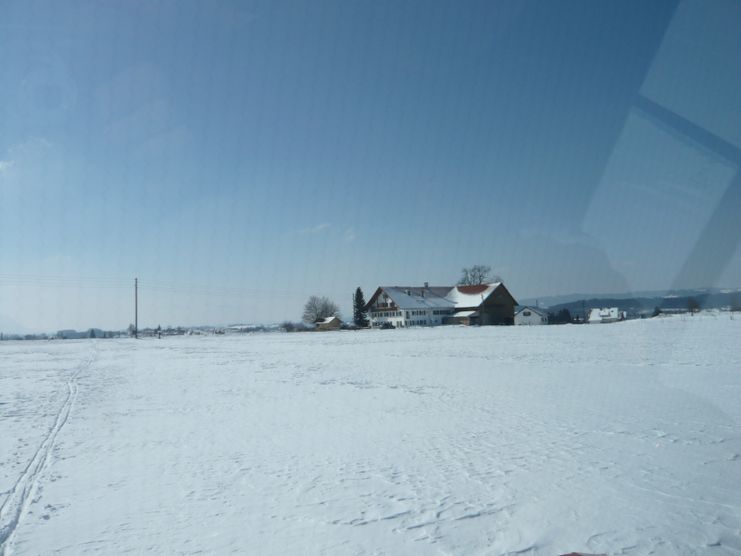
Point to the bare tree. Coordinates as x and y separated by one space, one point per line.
318 308
477 274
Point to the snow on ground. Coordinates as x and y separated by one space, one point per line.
621 438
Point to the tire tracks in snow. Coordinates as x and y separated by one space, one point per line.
21 496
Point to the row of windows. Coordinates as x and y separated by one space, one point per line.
434 312
416 322
409 314
375 315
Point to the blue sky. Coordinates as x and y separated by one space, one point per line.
239 157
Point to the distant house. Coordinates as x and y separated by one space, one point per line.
605 315
76 335
330 323
405 306
529 316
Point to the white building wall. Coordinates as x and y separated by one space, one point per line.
383 313
408 317
378 318
528 317
426 317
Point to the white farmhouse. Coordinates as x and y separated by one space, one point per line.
405 306
529 316
402 307
604 315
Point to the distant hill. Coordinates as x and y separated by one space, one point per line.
637 303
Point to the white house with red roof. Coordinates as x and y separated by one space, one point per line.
405 306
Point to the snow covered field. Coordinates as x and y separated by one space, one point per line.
622 439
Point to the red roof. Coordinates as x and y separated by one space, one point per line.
473 290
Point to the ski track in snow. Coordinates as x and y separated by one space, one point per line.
24 491
615 439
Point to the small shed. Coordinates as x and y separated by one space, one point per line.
529 316
330 323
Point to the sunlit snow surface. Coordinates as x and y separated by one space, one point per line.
620 438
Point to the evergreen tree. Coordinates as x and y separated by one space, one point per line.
360 317
564 315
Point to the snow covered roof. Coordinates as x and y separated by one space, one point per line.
417 298
455 297
471 296
604 311
327 320
538 310
467 314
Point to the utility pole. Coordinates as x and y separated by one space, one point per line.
136 307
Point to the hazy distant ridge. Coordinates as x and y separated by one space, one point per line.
638 302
